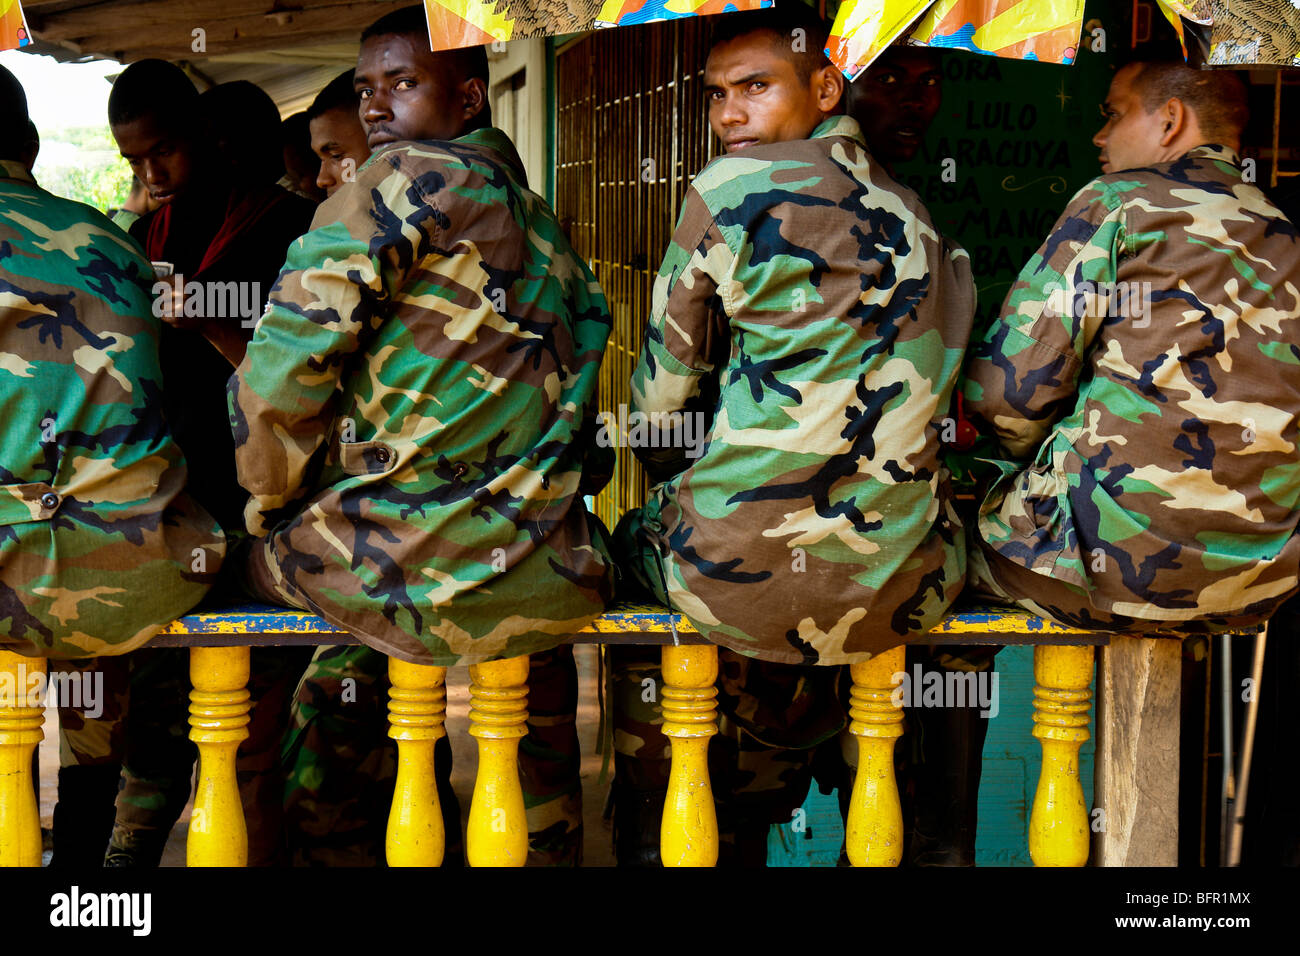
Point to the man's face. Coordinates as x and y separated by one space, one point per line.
163 159
756 96
1131 137
405 92
896 101
339 139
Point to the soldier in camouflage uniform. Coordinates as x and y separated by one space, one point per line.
413 414
98 540
831 370
1144 374
99 545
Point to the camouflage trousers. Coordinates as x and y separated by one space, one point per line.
142 735
340 765
781 726
992 573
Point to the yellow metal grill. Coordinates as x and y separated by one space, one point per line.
631 132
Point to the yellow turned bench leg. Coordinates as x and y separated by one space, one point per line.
417 707
219 705
1058 826
688 835
497 834
20 732
874 831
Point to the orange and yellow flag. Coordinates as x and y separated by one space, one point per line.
460 23
13 26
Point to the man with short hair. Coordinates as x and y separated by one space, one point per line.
1144 376
812 320
338 137
412 415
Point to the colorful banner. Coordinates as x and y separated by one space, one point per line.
1258 33
13 26
461 23
1046 30
863 28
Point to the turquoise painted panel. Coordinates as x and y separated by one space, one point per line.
1007 783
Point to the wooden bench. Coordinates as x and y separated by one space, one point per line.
1137 747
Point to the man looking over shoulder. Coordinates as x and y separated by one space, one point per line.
1144 375
409 418
808 323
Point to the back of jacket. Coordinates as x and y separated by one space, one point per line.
409 416
99 545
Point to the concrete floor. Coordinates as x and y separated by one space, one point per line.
597 847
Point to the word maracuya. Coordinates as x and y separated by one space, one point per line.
209 300
1112 300
654 430
75 908
24 688
947 689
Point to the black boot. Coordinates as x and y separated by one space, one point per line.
83 815
946 783
638 809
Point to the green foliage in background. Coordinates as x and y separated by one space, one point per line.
83 164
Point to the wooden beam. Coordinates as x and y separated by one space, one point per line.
235 29
1138 683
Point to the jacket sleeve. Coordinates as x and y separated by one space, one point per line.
686 338
330 298
1024 375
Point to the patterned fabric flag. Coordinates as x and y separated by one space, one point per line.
461 23
13 26
1046 30
863 28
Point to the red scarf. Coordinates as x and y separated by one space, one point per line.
245 208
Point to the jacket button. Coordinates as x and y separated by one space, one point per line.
381 455
49 501
460 469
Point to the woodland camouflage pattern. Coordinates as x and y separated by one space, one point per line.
408 416
99 546
816 526
1164 478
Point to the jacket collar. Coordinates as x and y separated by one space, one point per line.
489 137
841 125
1215 151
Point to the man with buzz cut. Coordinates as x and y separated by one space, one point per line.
811 314
1145 378
414 413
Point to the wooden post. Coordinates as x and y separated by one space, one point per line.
874 830
22 714
1138 696
219 706
688 835
497 833
417 708
1058 824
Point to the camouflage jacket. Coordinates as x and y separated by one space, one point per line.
408 416
99 545
1147 362
810 323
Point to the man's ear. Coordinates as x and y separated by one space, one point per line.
474 96
828 82
1174 118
